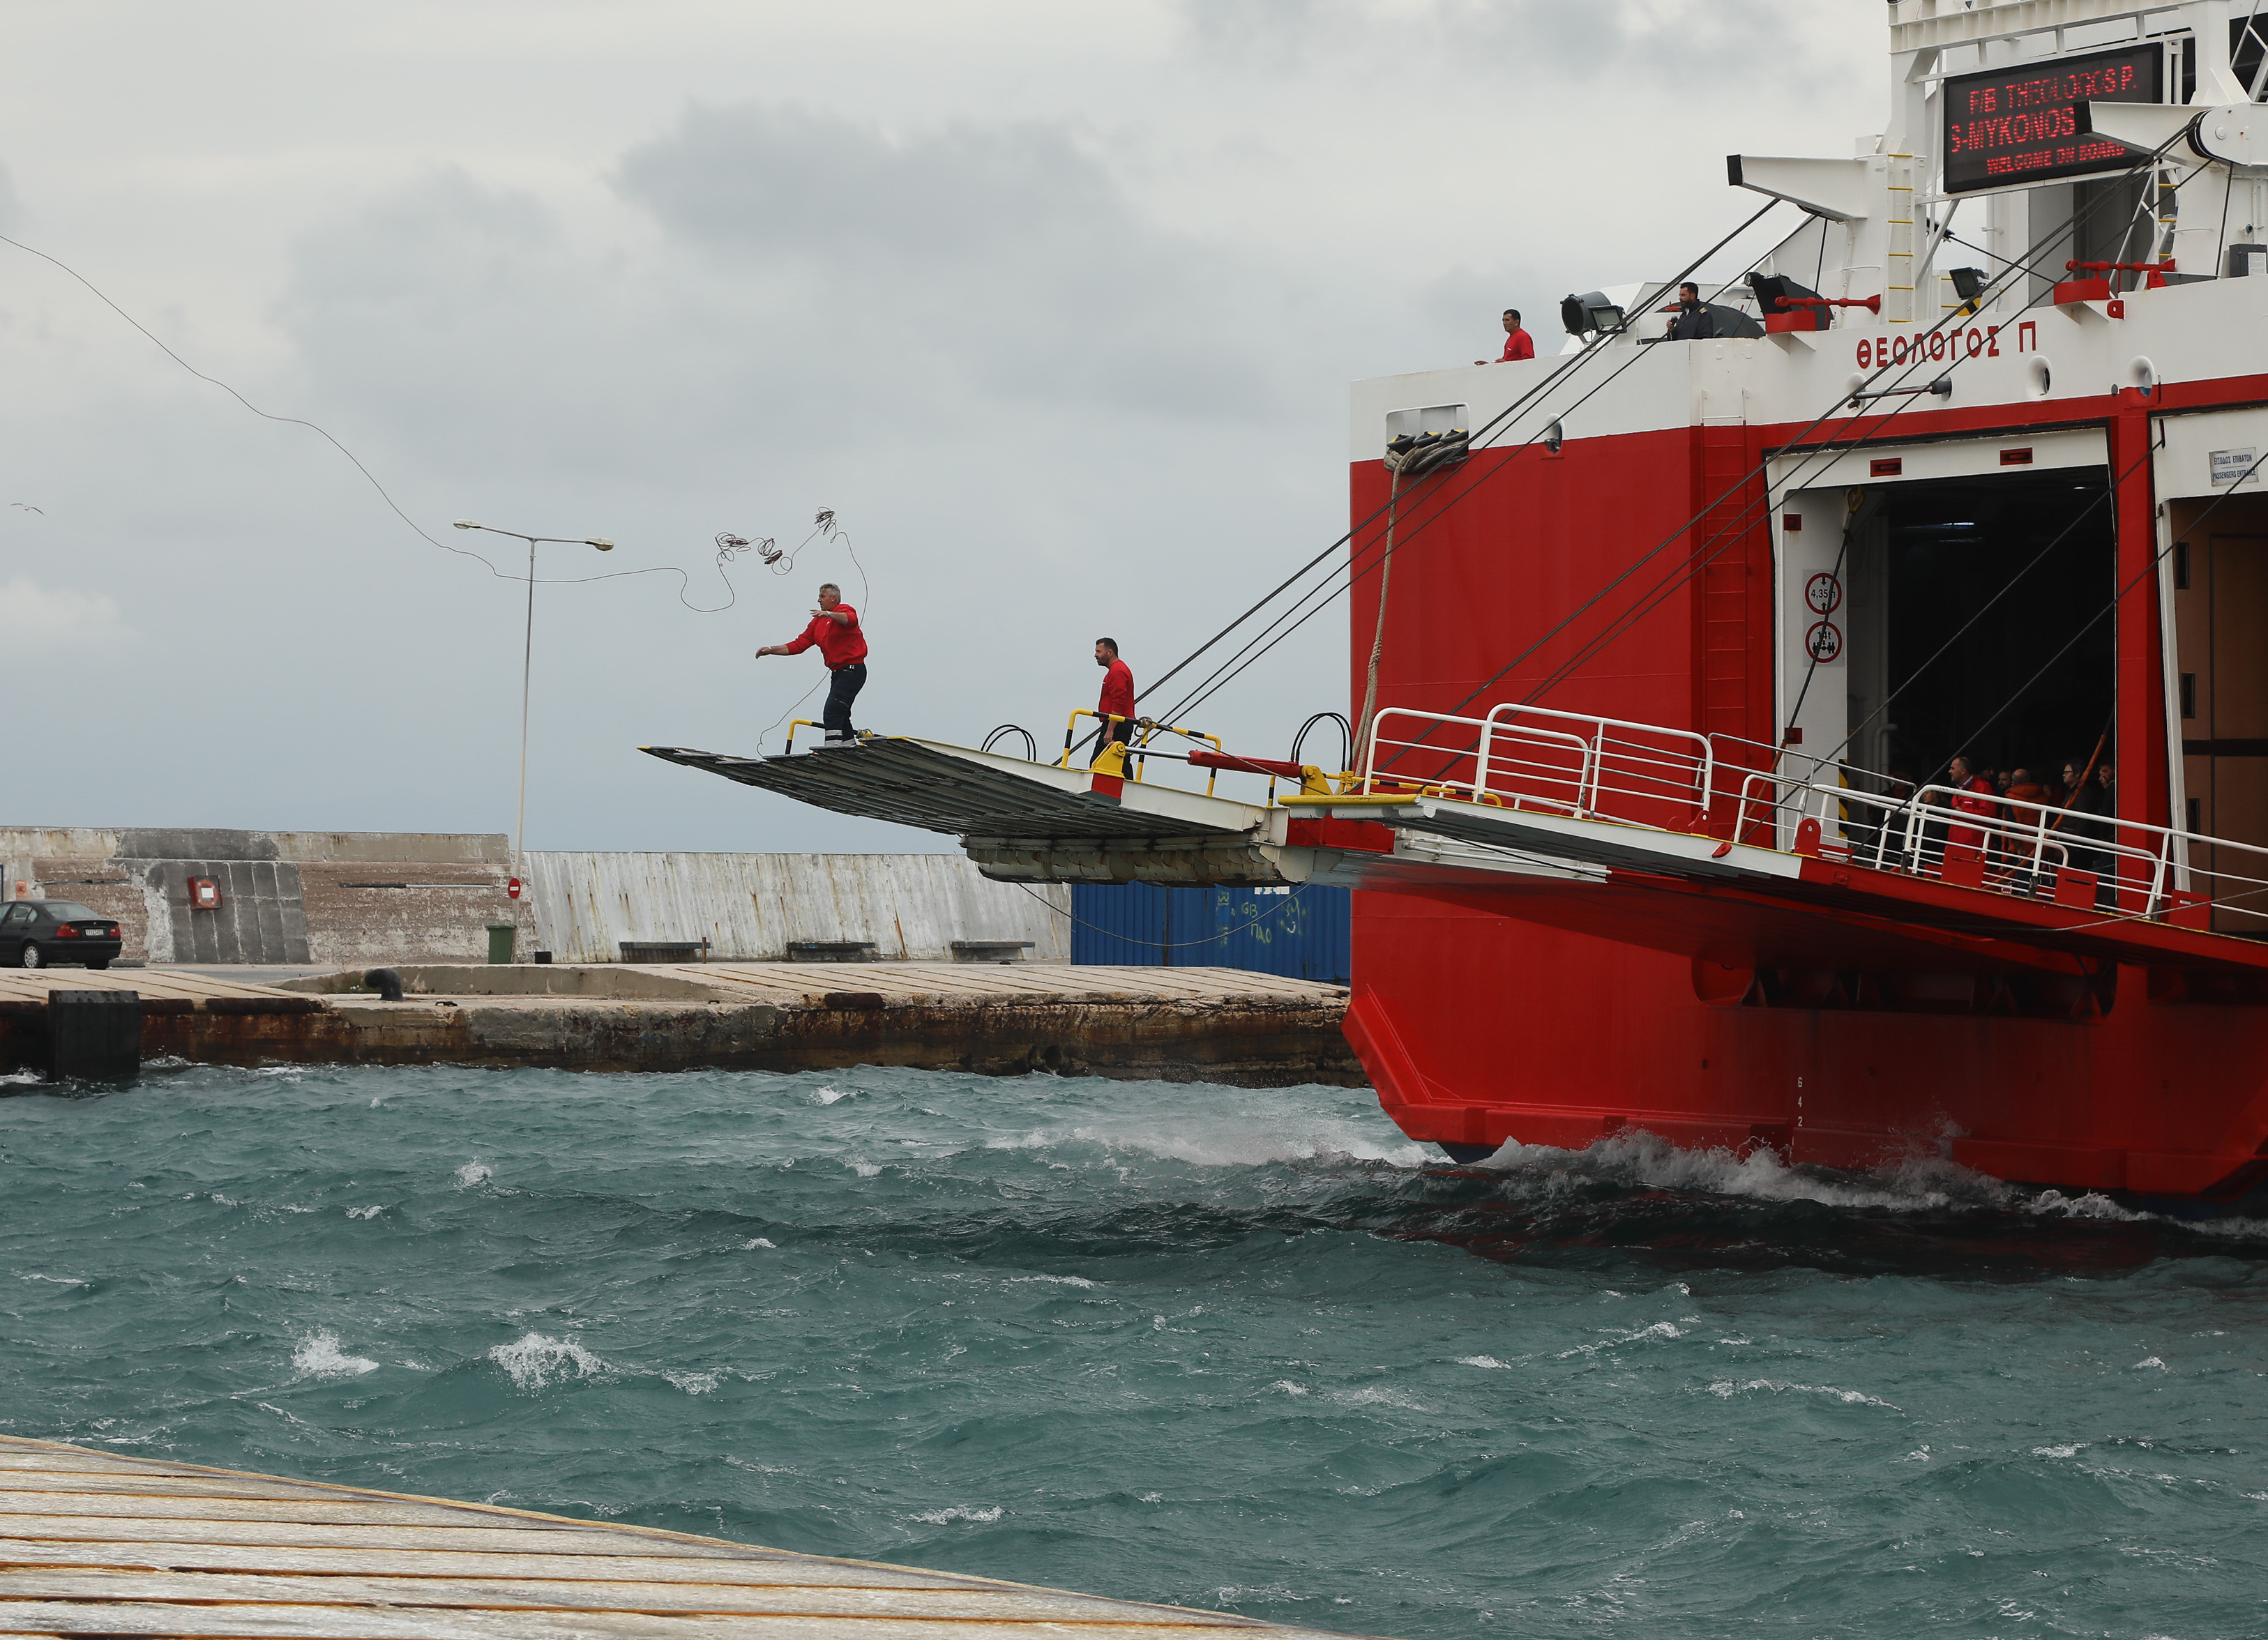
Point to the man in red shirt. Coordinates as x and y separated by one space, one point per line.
1116 706
1518 344
842 646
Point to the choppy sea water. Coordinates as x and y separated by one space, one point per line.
1212 1346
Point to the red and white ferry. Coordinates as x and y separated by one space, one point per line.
1971 462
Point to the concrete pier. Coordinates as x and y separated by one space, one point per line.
95 1543
1214 1024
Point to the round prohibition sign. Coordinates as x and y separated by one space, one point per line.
1823 643
1823 592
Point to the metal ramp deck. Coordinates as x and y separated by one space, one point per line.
968 793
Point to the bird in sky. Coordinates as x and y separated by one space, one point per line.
29 507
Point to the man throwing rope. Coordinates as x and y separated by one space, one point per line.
842 646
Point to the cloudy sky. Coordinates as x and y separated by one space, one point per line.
1054 304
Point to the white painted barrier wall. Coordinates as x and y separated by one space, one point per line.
749 905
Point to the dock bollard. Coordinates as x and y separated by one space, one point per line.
501 935
95 1036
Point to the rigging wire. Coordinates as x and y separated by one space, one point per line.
685 579
2118 597
1230 669
1651 600
1572 361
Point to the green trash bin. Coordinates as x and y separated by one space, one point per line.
500 938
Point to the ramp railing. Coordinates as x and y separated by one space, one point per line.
1534 757
2039 850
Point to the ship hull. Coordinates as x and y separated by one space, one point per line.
1479 1029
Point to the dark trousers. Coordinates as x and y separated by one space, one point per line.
842 686
1118 730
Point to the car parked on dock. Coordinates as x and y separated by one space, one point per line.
41 933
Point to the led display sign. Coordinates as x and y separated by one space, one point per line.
2020 124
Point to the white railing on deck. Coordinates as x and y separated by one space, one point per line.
1593 768
1532 757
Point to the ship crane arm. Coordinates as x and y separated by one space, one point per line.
1834 188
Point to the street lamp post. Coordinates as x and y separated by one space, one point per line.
527 661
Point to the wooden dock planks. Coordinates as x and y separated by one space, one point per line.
170 984
98 1543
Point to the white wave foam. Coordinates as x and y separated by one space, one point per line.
827 1096
695 1383
2151 1361
319 1356
534 1360
1375 1397
1728 1388
472 1173
1285 1386
2072 1451
941 1517
752 1245
2093 1204
1233 1142
60 1281
1660 1329
1489 1362
366 1212
1920 1183
1058 1281
864 1170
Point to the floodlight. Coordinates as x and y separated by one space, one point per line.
1593 310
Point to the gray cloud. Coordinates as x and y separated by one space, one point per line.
1006 255
1523 42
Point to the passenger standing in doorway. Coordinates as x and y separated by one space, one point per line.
842 646
2085 797
2106 784
1975 796
1518 344
1115 707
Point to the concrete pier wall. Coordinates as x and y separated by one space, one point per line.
285 897
360 899
749 907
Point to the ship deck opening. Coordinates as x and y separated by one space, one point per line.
2023 563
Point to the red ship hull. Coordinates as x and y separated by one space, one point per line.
1487 1019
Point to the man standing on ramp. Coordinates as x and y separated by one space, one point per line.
1116 706
842 646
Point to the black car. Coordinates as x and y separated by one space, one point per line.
39 933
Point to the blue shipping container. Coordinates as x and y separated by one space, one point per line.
1300 932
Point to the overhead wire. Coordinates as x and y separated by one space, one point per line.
1229 670
685 578
1651 600
2116 597
1572 362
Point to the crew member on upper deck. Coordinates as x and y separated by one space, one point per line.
1694 322
1115 707
1518 344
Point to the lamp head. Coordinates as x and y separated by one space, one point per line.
467 524
1591 313
602 544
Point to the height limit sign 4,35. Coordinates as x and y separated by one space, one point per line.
1822 594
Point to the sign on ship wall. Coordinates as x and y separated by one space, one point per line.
2020 124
